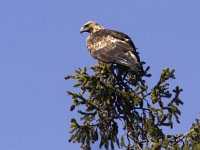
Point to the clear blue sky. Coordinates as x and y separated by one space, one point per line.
40 43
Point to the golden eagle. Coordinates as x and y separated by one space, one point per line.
111 46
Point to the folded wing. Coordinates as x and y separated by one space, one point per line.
114 47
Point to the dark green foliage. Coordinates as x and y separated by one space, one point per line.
108 103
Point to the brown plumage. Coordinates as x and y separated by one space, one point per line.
111 46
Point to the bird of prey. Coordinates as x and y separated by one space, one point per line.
111 46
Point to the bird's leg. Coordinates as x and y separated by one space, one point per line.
125 75
113 67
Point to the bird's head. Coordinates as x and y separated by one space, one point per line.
91 27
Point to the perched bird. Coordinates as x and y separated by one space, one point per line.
111 46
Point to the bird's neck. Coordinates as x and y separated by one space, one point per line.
96 28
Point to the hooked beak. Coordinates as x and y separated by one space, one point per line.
83 29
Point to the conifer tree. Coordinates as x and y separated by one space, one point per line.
122 111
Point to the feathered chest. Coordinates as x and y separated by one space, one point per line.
95 42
